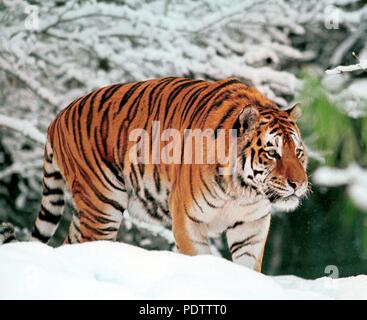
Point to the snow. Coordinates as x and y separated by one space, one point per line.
111 270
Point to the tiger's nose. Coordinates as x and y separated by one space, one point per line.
299 187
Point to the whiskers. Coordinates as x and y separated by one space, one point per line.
308 190
272 194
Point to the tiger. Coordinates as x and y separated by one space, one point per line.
88 155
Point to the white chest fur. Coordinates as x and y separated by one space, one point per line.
239 211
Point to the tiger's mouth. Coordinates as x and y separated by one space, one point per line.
275 197
287 203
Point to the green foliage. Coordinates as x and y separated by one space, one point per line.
340 138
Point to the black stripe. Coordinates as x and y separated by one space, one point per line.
258 142
48 216
123 134
235 225
134 179
243 158
48 191
108 94
252 157
190 103
246 254
241 181
9 239
208 202
220 181
103 219
116 173
256 172
67 112
59 202
240 244
48 158
73 126
82 103
157 180
103 130
217 89
228 114
193 219
94 230
205 99
174 94
162 84
155 205
90 113
220 99
134 106
202 180
91 217
86 159
151 210
100 195
37 234
56 175
104 216
102 171
128 94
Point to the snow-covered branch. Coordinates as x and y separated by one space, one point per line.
362 65
354 177
24 127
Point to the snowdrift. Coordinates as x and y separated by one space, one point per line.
108 270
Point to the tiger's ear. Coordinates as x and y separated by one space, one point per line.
295 112
246 119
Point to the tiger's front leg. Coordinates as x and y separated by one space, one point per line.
246 241
191 234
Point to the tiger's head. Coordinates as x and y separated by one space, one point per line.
271 156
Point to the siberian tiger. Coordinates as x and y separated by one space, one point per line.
88 154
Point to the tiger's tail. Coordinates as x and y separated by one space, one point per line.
7 233
53 202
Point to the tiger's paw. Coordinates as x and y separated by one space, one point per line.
7 233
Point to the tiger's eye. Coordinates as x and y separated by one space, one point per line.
273 154
299 152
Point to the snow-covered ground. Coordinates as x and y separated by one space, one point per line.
107 270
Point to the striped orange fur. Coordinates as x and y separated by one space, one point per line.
87 154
